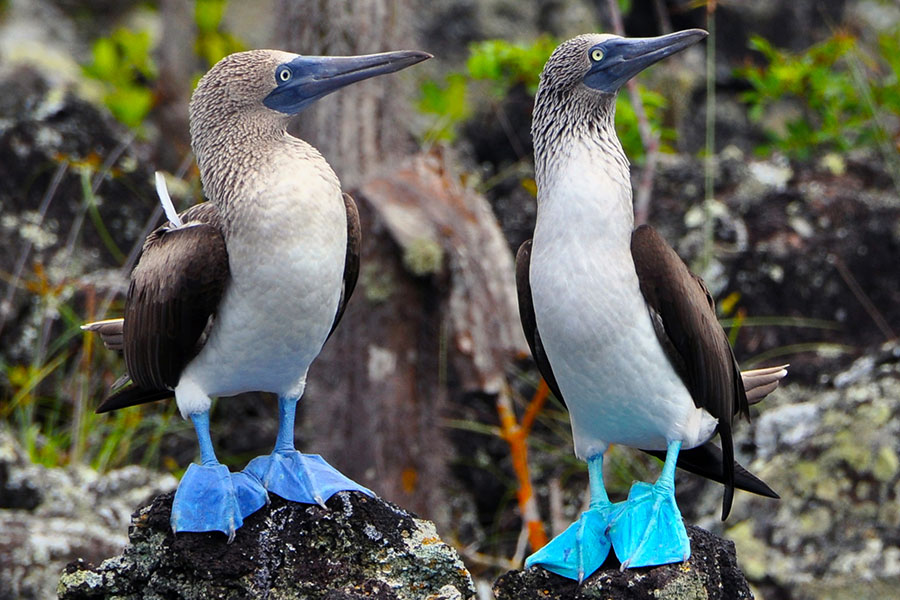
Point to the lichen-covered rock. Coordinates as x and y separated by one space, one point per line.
833 453
48 517
357 547
711 573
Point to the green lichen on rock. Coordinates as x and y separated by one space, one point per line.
356 547
377 284
423 256
833 454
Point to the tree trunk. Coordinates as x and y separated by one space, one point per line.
362 127
433 317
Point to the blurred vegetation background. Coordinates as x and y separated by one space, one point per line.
801 94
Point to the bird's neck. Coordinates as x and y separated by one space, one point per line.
254 161
582 173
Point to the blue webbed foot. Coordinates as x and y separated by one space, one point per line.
579 550
298 477
583 547
294 476
210 498
649 530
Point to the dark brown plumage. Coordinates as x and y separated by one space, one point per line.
172 300
685 323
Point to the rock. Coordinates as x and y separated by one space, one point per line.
49 517
357 547
711 573
833 454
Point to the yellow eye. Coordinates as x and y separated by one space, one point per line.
596 54
284 74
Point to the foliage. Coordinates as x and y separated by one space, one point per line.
495 67
845 93
123 63
212 42
49 401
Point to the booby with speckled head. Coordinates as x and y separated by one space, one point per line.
620 329
240 293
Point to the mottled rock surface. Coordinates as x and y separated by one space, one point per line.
49 517
357 547
711 573
833 453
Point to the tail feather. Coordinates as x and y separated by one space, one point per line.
759 383
707 461
132 395
111 332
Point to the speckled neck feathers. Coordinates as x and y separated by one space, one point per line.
569 116
239 143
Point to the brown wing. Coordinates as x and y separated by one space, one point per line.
529 322
706 460
688 330
351 261
174 293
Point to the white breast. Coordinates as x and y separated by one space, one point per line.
616 380
287 256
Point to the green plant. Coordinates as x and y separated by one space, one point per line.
845 93
212 42
123 62
124 65
495 67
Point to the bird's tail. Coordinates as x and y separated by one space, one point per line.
110 331
132 395
759 383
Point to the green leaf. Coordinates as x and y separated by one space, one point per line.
130 104
208 14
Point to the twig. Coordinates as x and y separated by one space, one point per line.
516 435
863 298
709 161
13 284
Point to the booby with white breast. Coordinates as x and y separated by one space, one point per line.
619 327
239 293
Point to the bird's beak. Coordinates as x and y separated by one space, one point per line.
311 77
626 57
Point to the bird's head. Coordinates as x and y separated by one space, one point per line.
272 86
579 83
602 62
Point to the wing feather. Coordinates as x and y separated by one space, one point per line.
351 260
688 330
706 460
172 299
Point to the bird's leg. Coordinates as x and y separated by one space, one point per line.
305 478
210 497
649 530
580 550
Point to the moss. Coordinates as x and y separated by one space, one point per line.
807 473
830 488
423 256
377 285
875 415
816 522
846 447
886 464
752 552
687 587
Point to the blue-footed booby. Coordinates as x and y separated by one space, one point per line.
621 330
239 293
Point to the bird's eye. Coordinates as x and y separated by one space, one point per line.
284 74
596 54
